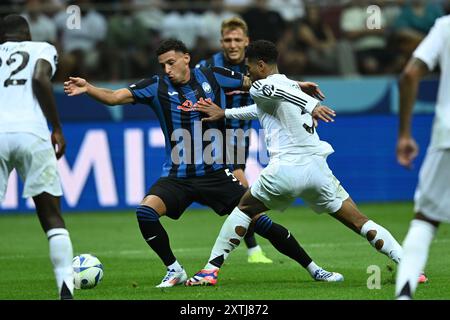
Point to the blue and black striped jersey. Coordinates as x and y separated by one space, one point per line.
191 148
235 100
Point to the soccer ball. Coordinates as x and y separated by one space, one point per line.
87 271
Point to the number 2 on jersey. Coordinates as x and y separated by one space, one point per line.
13 58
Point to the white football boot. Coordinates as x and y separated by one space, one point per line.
173 278
323 275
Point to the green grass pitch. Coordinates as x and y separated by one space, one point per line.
132 269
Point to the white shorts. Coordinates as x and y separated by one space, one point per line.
35 161
432 197
281 183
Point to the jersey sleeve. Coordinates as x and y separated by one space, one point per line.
228 79
242 113
48 53
272 91
430 49
144 90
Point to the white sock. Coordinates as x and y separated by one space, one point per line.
61 255
251 251
312 268
383 241
232 232
415 254
175 266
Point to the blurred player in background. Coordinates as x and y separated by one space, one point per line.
297 166
27 100
234 41
432 196
191 173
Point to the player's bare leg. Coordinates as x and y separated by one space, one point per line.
415 254
380 238
61 252
254 251
148 213
234 229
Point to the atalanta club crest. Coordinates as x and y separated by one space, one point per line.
206 87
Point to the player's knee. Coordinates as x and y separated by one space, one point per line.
421 216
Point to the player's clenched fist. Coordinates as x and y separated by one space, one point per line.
75 86
407 151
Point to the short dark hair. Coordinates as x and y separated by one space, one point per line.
13 25
171 44
262 50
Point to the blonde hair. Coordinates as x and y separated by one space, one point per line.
234 23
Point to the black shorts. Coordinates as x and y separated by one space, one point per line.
219 190
238 166
233 157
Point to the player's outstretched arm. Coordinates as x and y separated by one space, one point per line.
215 112
407 149
43 90
76 86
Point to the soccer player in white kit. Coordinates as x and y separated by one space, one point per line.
432 196
297 166
27 100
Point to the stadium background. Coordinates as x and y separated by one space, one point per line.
115 154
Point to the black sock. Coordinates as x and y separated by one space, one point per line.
282 240
250 239
154 234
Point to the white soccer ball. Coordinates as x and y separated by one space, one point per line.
87 271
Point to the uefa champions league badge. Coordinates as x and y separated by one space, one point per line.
206 87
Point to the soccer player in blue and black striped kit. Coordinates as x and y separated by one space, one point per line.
195 169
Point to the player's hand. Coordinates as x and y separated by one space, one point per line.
59 143
75 86
208 107
312 89
323 113
407 151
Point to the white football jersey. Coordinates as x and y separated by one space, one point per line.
284 112
19 108
435 49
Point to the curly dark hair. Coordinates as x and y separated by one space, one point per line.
262 50
171 44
